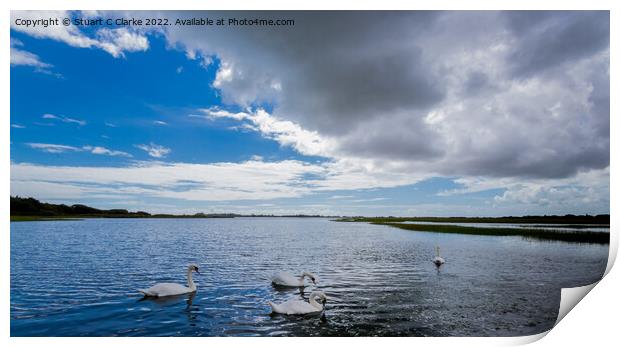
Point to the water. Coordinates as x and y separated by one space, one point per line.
79 278
604 228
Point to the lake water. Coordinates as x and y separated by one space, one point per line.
79 278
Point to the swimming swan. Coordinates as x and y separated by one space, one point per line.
168 289
438 260
296 306
287 280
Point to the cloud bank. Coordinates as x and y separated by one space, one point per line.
512 100
529 98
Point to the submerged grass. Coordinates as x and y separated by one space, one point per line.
541 234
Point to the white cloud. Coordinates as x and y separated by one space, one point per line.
370 200
21 57
113 41
250 180
118 41
257 180
587 191
104 151
53 148
17 126
159 122
70 35
284 132
341 197
56 148
154 150
63 119
224 74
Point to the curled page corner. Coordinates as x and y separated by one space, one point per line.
570 297
613 251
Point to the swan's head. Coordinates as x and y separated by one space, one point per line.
193 267
312 277
319 297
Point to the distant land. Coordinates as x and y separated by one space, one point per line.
31 209
24 209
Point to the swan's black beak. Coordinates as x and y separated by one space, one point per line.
313 280
198 272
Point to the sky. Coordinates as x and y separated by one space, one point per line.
416 113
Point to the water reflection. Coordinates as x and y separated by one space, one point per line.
170 300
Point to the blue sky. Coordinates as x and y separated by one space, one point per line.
182 121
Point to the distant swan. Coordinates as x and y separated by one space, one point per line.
438 260
296 306
168 289
287 280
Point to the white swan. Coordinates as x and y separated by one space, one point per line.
287 280
438 260
296 306
168 289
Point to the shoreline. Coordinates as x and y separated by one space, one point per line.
577 236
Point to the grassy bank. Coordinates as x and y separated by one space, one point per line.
20 218
566 221
541 234
39 218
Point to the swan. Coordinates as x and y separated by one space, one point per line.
296 306
438 260
168 289
287 280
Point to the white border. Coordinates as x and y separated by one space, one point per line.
589 322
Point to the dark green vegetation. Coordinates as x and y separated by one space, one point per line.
37 218
541 234
30 209
567 219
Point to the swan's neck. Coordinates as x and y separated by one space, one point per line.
437 251
190 280
313 302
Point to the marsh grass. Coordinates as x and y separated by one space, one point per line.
570 221
541 234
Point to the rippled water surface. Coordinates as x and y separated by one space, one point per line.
79 278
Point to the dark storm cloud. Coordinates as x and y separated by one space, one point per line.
527 163
335 68
549 39
502 94
389 138
476 82
337 94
